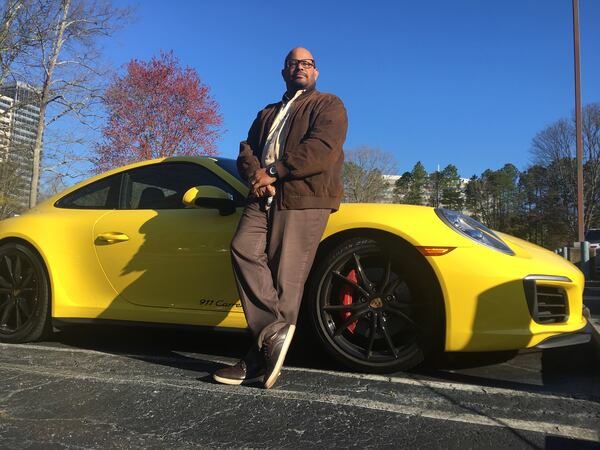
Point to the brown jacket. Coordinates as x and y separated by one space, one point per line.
311 162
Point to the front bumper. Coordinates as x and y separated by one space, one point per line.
499 302
578 337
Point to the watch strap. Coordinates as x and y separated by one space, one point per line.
272 170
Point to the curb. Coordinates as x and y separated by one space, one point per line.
594 322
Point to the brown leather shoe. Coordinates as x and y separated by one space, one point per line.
274 350
249 369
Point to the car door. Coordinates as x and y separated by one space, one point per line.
72 250
156 252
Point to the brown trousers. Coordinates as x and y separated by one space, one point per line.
272 253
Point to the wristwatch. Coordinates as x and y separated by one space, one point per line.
272 171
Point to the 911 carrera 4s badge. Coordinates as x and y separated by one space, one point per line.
220 303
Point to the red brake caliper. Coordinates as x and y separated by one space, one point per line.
347 297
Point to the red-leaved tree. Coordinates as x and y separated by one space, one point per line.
157 109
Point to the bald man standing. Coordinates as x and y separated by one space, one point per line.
293 160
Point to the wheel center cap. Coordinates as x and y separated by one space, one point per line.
376 303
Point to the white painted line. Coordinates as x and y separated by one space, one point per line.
55 349
555 429
406 380
446 385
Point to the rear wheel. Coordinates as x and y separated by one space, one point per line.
373 307
24 294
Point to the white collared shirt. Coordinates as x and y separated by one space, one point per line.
278 133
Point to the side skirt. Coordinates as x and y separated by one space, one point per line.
60 323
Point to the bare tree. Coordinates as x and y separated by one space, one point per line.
15 45
63 63
63 165
14 41
363 174
11 182
591 147
554 148
15 36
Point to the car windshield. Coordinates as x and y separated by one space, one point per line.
230 166
593 236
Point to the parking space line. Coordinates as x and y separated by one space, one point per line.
548 428
405 380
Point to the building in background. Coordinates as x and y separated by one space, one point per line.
19 114
388 196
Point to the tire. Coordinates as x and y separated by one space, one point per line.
374 306
24 295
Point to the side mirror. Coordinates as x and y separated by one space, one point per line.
209 197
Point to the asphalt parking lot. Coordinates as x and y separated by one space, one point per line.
142 388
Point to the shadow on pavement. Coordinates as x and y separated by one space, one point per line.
557 442
570 370
169 346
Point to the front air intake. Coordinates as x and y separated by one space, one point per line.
547 304
552 306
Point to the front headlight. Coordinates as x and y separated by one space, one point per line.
472 229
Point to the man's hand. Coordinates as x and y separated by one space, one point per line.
265 191
261 179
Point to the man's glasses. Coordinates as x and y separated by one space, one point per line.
304 63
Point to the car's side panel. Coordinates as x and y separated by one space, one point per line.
78 286
123 311
172 258
64 240
82 291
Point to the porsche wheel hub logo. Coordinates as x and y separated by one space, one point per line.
376 303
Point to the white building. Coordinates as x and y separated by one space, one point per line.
389 192
19 114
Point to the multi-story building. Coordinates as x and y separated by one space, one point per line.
19 114
388 196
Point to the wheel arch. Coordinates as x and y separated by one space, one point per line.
398 244
45 266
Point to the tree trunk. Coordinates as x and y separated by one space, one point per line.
37 149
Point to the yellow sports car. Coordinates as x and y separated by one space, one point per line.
149 243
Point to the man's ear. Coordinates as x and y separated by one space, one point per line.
283 75
316 73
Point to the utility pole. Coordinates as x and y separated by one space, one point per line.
578 114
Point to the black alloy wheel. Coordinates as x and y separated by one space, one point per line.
373 309
24 294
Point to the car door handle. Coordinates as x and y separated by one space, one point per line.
113 237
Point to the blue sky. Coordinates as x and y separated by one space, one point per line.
467 82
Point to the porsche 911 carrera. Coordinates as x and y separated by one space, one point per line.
149 244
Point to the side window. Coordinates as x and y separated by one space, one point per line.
161 186
102 194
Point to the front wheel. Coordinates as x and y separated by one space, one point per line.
373 306
24 294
